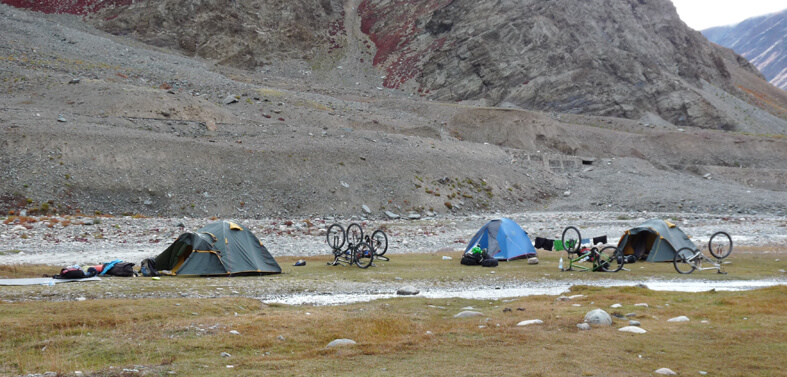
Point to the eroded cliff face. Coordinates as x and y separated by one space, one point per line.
604 57
621 58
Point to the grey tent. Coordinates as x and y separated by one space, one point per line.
654 240
221 248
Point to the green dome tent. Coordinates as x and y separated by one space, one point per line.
221 248
654 240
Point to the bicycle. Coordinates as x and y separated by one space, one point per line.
357 251
607 259
687 260
378 241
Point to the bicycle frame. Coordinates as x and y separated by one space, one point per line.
696 259
590 255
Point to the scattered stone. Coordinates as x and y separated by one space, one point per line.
682 318
567 193
225 354
665 371
341 342
532 260
391 215
530 322
230 99
445 257
408 290
574 297
74 81
615 306
633 329
413 216
583 326
211 125
640 285
280 337
631 315
61 119
234 332
598 317
563 298
642 304
468 313
634 323
366 209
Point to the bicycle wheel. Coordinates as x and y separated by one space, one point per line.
379 242
354 234
363 255
335 236
720 245
610 259
571 239
684 261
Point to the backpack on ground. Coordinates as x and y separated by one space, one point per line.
489 262
124 269
148 267
471 259
71 273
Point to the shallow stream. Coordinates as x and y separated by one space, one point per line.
552 288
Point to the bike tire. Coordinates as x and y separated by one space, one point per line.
336 236
354 234
363 255
684 261
379 242
611 259
574 238
720 245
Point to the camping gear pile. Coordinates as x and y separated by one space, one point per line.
115 268
478 257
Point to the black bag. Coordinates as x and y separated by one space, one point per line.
124 269
71 273
490 262
471 259
630 258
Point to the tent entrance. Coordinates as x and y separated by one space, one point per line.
183 252
640 244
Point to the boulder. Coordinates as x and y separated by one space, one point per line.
408 290
530 322
598 317
533 260
341 342
633 329
468 313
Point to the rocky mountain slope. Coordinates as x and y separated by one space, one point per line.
762 40
107 122
621 58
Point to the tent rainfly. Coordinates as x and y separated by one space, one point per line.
221 248
654 240
504 240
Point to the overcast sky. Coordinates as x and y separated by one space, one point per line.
702 14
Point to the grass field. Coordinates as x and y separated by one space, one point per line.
729 333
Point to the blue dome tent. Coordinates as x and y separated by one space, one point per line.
504 240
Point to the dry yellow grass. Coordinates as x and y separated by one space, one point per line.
744 333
